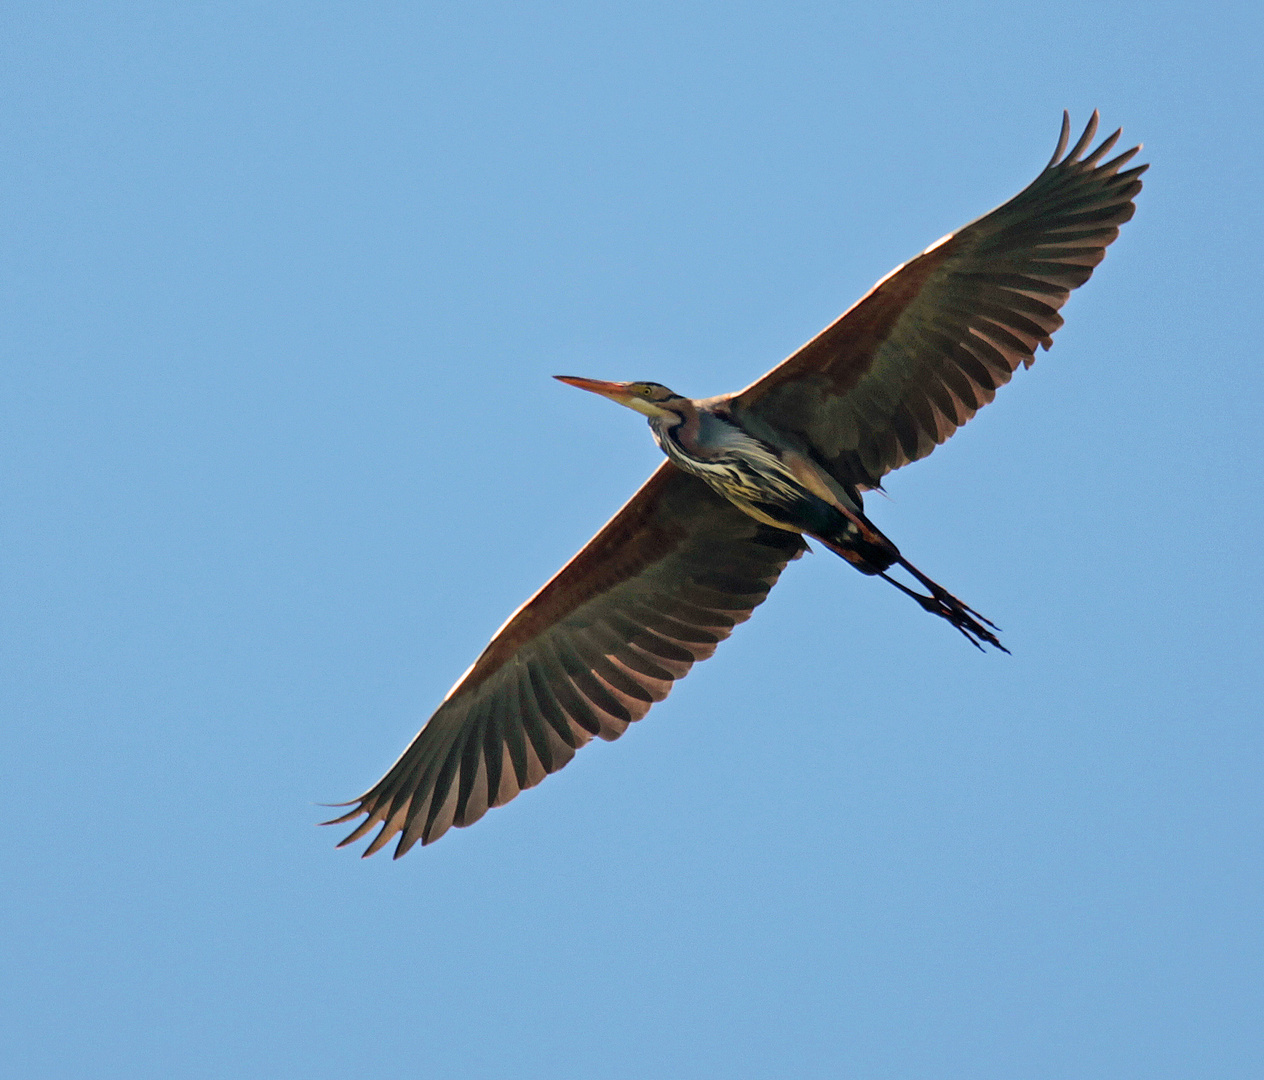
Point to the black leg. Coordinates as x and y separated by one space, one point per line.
973 626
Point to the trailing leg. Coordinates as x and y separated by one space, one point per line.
862 545
941 602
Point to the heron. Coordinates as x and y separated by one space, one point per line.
749 478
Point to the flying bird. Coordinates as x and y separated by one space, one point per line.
749 478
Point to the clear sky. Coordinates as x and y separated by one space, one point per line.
283 286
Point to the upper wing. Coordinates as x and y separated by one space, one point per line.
656 590
917 356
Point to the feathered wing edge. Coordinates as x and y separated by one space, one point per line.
926 347
651 594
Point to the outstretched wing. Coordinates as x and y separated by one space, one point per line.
651 594
927 347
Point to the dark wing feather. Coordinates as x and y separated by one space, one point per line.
927 347
652 593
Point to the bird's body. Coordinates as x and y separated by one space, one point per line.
754 475
748 476
777 484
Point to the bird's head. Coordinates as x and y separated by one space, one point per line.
649 398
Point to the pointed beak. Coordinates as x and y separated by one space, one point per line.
615 391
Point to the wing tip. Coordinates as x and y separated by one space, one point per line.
1063 138
350 815
1090 129
1063 158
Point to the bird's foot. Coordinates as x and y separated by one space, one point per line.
977 629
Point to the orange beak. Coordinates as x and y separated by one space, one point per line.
615 391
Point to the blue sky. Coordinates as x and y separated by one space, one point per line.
284 285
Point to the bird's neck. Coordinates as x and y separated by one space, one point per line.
681 429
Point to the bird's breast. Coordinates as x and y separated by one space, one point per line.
747 472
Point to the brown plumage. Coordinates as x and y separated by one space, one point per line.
684 561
